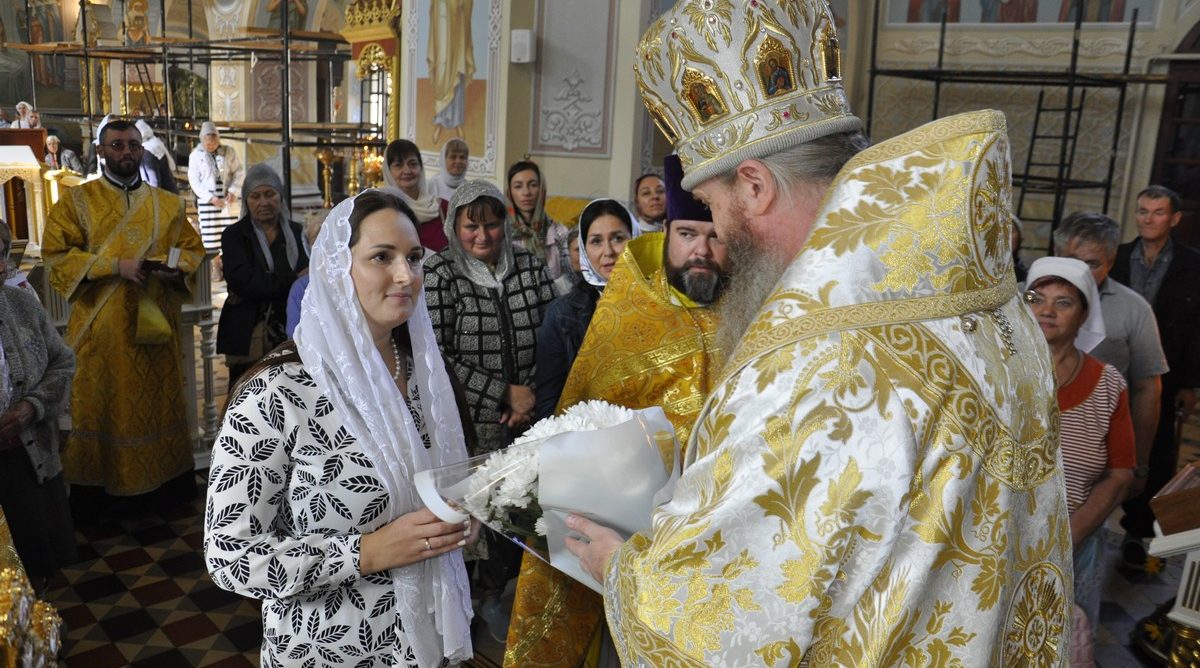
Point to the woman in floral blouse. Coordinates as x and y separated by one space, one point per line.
311 506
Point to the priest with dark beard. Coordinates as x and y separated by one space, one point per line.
651 342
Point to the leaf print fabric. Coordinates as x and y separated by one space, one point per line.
290 495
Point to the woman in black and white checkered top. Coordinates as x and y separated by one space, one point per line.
486 299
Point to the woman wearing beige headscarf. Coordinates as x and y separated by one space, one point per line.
533 229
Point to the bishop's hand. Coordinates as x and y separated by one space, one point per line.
594 553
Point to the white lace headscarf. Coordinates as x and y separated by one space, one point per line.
336 347
590 274
426 204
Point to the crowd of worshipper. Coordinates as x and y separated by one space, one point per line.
830 463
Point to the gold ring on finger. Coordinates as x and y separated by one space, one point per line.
427 545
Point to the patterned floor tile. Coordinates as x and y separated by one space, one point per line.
156 592
190 629
104 656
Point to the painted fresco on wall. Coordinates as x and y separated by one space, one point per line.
57 77
1019 11
451 72
449 84
269 13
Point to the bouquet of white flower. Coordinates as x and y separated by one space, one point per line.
602 461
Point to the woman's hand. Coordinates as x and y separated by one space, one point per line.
15 419
521 401
410 538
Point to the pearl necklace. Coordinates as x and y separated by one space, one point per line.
396 360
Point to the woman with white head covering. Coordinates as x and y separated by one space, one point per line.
24 116
215 175
605 226
263 254
1096 430
311 505
455 158
154 145
405 173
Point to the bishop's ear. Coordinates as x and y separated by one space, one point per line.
755 187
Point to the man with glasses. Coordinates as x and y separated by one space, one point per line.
1131 343
108 250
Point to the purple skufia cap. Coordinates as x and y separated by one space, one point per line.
680 203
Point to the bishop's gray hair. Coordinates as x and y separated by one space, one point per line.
814 162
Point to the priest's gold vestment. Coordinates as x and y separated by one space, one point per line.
130 430
647 345
876 479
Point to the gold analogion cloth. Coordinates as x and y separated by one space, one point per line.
876 479
648 345
127 403
30 630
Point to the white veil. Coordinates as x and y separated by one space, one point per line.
336 348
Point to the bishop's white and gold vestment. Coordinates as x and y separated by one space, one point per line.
876 480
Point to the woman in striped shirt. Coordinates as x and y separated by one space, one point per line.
1096 430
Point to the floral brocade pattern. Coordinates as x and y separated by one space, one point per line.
872 483
640 350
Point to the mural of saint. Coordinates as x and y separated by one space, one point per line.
930 11
451 59
1094 10
136 25
1008 11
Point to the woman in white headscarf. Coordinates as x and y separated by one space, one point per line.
153 145
311 505
455 158
1096 431
605 226
25 117
405 174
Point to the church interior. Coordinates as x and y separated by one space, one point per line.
1101 99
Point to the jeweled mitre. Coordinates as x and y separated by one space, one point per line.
728 82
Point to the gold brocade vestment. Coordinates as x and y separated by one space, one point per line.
876 480
130 430
647 345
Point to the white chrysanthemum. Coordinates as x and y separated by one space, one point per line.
507 478
540 528
518 478
599 414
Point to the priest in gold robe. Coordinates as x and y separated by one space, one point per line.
130 431
875 480
651 343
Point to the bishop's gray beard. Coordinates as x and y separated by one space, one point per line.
754 273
